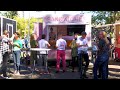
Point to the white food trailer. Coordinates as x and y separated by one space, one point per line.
68 25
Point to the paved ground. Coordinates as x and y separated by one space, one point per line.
114 73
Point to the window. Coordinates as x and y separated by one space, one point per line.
72 29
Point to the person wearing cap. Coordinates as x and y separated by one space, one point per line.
82 43
5 41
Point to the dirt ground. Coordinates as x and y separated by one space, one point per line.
114 72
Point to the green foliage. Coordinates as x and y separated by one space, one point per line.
10 14
23 25
107 17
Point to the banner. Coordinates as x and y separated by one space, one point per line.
67 18
38 30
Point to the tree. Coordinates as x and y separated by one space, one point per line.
105 17
23 25
10 14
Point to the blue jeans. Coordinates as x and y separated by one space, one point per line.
102 65
16 56
80 63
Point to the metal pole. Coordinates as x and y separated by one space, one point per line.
29 26
23 14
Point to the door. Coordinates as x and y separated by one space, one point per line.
9 27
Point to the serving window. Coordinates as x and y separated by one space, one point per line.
67 31
72 29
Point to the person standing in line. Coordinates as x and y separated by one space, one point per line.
17 46
74 51
43 44
33 55
61 45
101 62
82 43
4 49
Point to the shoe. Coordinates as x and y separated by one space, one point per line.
41 72
36 69
6 77
99 76
57 71
46 73
63 71
15 71
85 76
18 73
72 70
1 75
81 77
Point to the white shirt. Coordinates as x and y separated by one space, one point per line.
61 44
22 41
82 41
43 44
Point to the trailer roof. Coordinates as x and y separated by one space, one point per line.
69 24
7 18
104 25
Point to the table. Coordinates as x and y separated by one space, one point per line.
39 49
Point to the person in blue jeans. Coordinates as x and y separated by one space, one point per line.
102 66
101 62
82 43
17 45
80 63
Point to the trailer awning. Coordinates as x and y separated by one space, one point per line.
67 24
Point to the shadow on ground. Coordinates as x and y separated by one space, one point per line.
26 72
